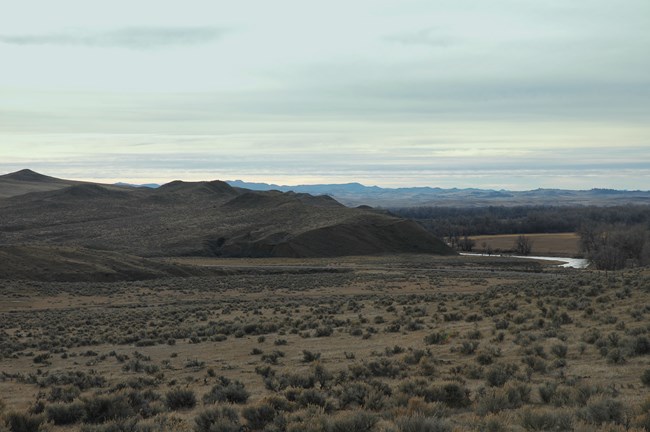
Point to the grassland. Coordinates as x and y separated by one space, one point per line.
399 343
555 244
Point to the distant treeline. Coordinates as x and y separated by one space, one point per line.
611 238
614 247
445 222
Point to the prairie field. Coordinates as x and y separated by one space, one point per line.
385 343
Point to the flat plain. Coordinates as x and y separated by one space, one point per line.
553 244
383 343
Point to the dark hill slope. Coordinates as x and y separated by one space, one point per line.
26 181
206 218
54 263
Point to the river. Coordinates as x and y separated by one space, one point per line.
568 262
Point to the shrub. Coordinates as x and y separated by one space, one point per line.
498 374
177 399
63 394
418 406
65 414
324 331
308 356
42 358
546 420
559 350
259 416
353 394
510 397
19 422
452 316
547 391
101 409
78 379
227 391
454 395
145 403
422 424
224 419
436 338
484 359
615 356
414 356
312 397
603 410
534 363
468 348
360 421
640 345
645 377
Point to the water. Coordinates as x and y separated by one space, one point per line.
568 262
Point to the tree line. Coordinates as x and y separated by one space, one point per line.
614 247
454 221
612 238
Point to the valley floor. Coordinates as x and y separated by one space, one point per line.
400 343
549 244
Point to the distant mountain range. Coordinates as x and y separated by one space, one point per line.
355 194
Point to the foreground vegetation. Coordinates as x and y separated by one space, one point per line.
405 343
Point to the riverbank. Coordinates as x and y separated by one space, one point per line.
565 261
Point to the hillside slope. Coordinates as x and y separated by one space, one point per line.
206 219
27 181
69 264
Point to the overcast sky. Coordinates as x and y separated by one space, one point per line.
515 94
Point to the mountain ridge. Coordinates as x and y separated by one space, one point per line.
356 194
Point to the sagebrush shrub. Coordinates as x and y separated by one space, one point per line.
65 414
258 416
224 419
19 422
546 420
645 377
100 409
603 410
177 399
227 391
359 421
422 424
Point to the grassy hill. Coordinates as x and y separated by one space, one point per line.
200 218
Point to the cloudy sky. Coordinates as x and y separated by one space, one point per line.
514 94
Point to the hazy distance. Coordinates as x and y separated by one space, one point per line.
502 94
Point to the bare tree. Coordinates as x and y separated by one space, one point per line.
523 245
467 244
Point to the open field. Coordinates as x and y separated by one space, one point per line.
556 244
401 343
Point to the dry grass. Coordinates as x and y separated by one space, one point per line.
186 333
558 244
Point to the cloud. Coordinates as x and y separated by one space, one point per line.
140 38
430 36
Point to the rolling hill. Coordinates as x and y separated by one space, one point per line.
208 218
26 181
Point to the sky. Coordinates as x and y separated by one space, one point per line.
514 94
